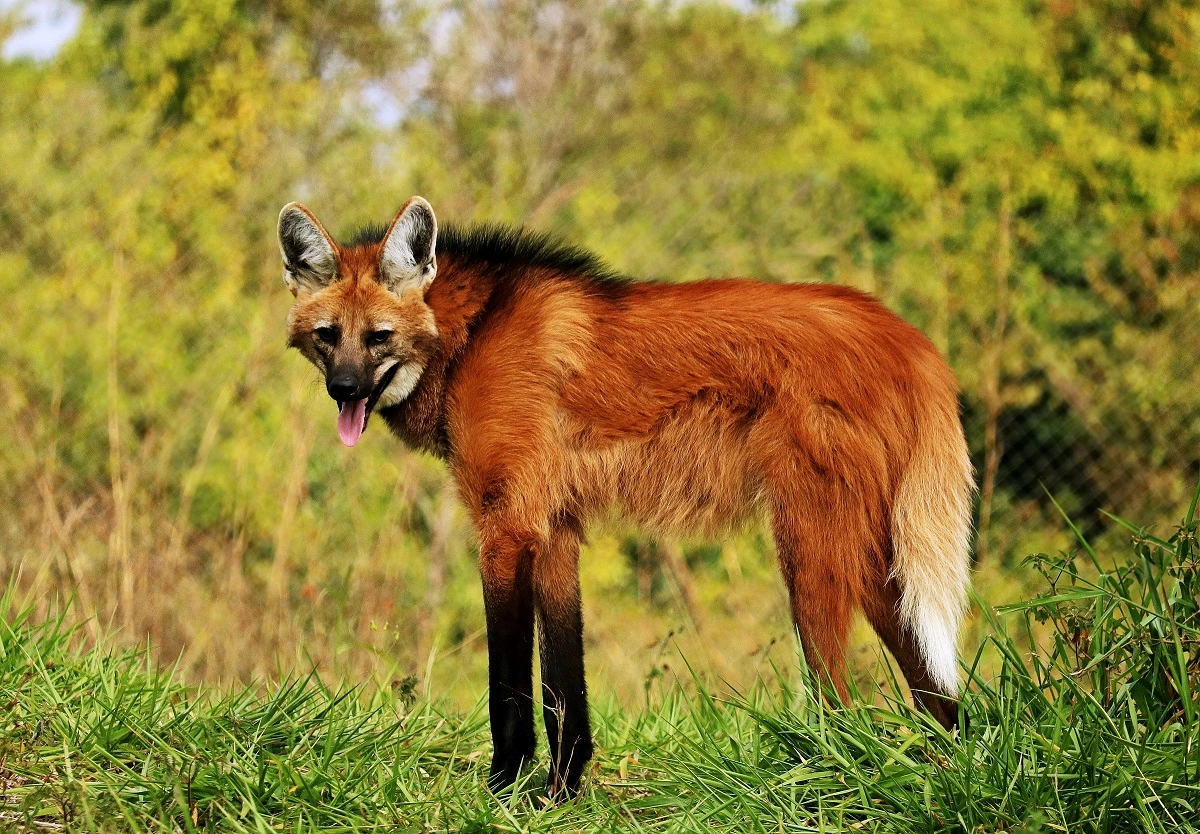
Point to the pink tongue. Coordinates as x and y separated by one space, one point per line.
352 419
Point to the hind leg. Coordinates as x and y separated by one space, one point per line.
821 572
883 611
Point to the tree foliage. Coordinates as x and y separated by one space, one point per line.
1020 179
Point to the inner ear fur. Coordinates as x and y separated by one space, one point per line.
309 253
407 259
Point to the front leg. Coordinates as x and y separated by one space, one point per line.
505 563
560 640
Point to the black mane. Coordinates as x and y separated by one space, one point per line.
499 245
368 234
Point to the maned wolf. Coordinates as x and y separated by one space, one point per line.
556 390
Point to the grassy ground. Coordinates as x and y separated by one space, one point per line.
1099 731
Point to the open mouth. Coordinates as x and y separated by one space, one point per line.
353 414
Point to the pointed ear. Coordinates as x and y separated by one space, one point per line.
407 260
309 254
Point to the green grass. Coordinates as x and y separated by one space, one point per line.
1098 730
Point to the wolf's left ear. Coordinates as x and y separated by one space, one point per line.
309 257
407 260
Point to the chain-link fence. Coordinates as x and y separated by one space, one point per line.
1078 455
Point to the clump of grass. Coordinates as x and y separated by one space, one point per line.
100 741
1099 730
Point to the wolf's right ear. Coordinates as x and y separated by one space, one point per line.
309 256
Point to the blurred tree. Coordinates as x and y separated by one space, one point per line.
144 169
1020 179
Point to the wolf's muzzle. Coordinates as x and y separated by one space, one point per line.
344 387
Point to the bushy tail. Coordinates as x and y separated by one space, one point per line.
931 535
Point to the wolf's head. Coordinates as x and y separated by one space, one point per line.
360 314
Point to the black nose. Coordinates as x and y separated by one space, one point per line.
342 388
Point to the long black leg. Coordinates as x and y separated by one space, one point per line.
564 689
508 601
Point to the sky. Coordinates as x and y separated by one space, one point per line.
49 24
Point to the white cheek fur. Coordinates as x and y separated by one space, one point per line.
402 384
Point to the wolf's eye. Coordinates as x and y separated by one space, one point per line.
328 335
378 337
